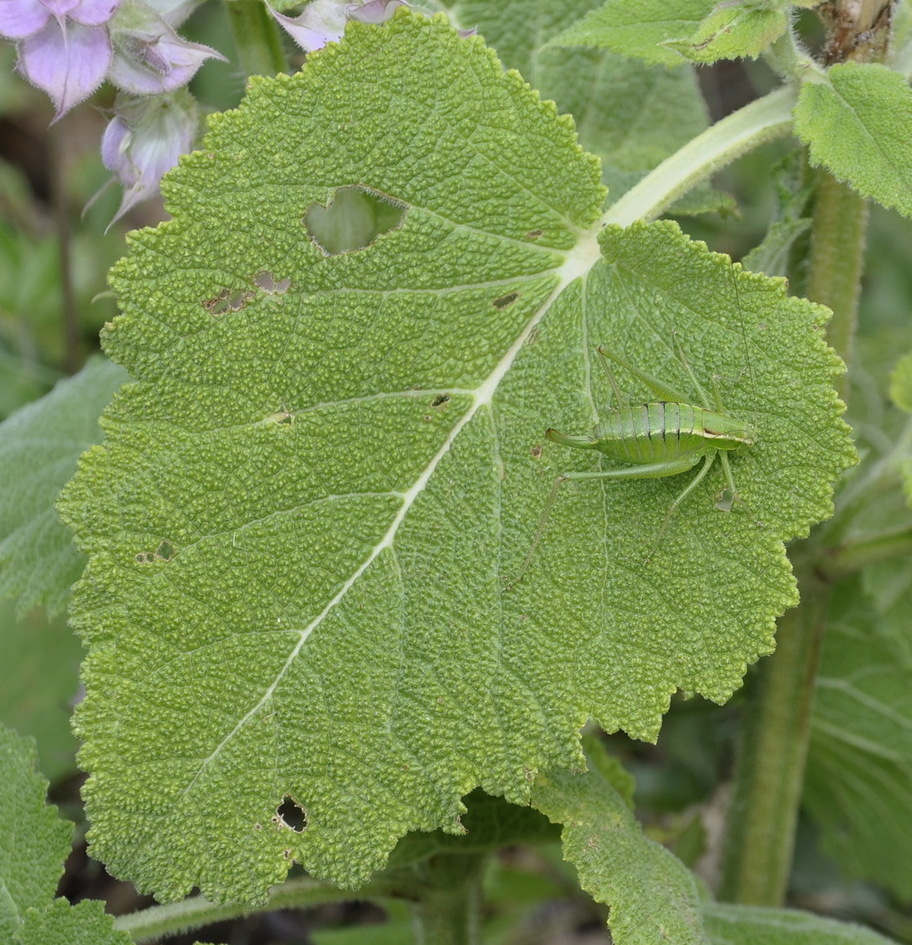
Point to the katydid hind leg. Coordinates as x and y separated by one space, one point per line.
659 388
700 476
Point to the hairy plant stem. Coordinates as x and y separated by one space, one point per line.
257 37
770 770
449 911
766 119
836 262
156 922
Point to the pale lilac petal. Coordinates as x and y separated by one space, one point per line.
68 63
94 12
147 141
60 8
21 18
321 22
309 40
153 65
113 146
374 11
173 12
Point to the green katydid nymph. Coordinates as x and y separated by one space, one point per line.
666 437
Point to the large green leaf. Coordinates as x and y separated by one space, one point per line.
857 121
304 522
39 446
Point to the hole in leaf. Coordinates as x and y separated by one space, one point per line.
165 551
505 300
228 300
291 814
352 219
440 400
268 283
536 452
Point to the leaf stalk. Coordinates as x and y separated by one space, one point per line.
763 120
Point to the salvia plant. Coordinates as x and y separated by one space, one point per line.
432 462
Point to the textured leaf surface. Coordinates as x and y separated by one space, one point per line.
638 27
306 513
86 923
653 897
859 777
39 447
627 112
859 125
753 925
33 840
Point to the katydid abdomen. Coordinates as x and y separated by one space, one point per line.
660 432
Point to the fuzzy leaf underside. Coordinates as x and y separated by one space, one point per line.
39 446
652 895
303 521
858 123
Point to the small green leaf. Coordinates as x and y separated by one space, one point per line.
39 446
638 28
857 121
653 897
34 841
733 31
755 925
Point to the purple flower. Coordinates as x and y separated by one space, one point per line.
149 57
144 139
64 47
323 21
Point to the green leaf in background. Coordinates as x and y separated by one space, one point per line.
754 925
901 383
858 785
639 28
39 446
307 512
653 897
857 121
41 660
628 113
34 842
